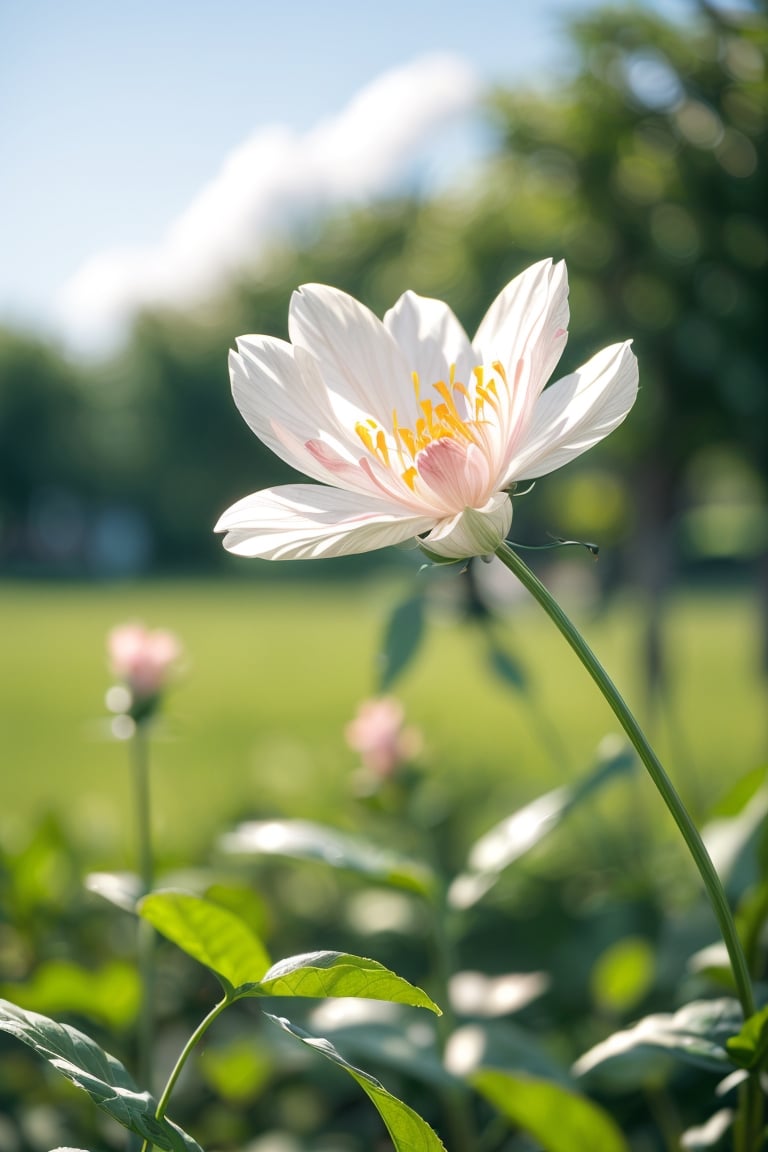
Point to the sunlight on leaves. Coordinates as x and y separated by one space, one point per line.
303 840
696 1034
322 974
213 935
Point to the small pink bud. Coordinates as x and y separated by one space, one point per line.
379 735
141 659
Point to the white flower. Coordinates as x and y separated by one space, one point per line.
411 429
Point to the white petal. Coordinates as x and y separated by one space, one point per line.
576 412
358 359
473 532
431 338
306 521
528 321
283 400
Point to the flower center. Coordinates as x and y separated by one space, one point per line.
456 412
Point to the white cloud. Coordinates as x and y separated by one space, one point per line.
275 178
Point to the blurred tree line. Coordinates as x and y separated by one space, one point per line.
646 170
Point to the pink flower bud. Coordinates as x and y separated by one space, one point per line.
143 660
379 735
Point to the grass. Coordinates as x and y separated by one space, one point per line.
275 671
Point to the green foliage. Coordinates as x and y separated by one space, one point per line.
408 1131
531 1104
212 935
696 1034
304 840
98 1073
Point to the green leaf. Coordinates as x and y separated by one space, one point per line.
750 1047
504 665
696 1034
408 1131
216 937
402 638
104 1078
304 840
110 994
324 974
517 834
559 1120
736 844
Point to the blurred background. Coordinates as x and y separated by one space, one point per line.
172 172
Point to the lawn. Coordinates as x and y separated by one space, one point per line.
275 670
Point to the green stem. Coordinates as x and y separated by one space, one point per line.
749 1127
663 783
145 944
186 1051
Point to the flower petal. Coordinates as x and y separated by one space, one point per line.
528 320
306 521
431 338
473 532
576 412
359 361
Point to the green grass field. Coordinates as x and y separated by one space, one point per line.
274 672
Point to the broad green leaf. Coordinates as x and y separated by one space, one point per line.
559 1120
402 638
303 840
104 1078
323 974
749 1048
216 937
696 1034
110 994
408 1131
516 835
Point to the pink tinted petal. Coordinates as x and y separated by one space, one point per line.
431 339
305 521
358 360
456 472
577 412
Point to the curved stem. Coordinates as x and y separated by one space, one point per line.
186 1051
663 783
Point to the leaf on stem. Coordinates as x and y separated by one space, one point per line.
213 935
403 634
749 1048
697 1034
559 1120
104 1078
408 1131
517 834
304 840
324 974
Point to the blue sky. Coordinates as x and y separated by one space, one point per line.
119 120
